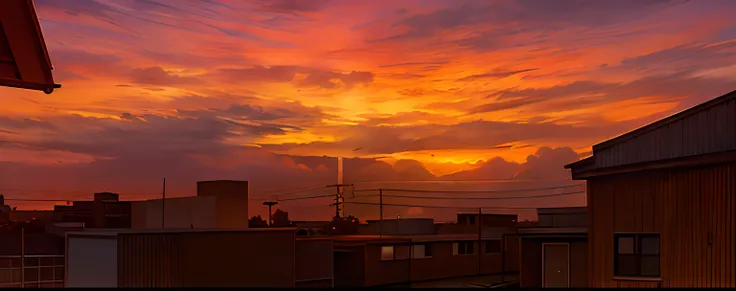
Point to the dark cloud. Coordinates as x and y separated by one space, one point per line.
683 87
326 79
471 135
259 74
546 163
67 57
683 56
157 76
495 75
412 64
523 16
283 74
296 6
504 105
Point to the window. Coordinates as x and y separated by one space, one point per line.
493 246
421 251
637 255
400 252
463 248
387 253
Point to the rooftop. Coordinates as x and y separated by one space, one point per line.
672 118
35 244
115 232
30 66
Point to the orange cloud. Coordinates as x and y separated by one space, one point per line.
446 85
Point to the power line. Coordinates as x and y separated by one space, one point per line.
38 200
479 198
445 207
307 197
289 191
458 181
468 191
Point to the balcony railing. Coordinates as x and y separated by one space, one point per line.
38 271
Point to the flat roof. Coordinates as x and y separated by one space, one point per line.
553 230
216 181
563 210
115 232
412 238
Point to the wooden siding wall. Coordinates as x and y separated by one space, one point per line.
684 206
708 131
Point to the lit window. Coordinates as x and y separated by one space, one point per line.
387 253
637 255
421 251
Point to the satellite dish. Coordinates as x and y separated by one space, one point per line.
24 59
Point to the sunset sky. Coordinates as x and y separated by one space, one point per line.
211 89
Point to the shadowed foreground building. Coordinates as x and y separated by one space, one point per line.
661 203
264 257
423 260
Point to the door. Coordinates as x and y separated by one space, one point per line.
555 265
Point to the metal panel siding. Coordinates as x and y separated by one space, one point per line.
238 258
91 262
149 260
708 131
693 210
314 260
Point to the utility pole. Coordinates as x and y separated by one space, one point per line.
270 204
338 197
163 206
380 212
22 257
480 242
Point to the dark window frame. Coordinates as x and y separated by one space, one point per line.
488 243
638 255
464 246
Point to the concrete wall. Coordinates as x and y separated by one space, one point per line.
181 212
91 262
232 201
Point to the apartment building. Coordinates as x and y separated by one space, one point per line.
404 260
218 204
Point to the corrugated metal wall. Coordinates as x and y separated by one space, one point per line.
708 131
149 260
685 206
207 259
